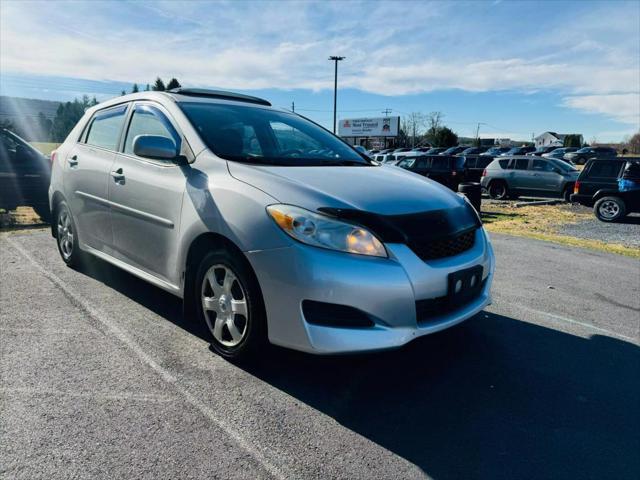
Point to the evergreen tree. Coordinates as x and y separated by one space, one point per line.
158 86
173 83
147 88
135 88
123 92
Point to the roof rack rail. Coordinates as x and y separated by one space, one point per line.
203 92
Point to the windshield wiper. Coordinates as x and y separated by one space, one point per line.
346 163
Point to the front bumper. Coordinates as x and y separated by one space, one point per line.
384 288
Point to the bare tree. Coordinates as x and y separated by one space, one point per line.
413 124
634 143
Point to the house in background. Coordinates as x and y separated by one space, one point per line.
553 139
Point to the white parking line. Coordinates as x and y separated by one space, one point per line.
576 322
121 335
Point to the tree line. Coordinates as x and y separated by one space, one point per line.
69 113
418 129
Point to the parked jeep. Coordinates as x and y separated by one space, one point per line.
611 187
509 177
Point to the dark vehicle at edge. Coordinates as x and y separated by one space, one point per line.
25 174
580 157
598 186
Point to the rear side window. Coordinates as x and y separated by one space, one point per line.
148 120
604 170
503 163
106 127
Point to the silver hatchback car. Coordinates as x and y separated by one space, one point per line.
270 228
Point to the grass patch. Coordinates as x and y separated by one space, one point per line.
45 147
541 222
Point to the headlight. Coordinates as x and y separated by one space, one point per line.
326 232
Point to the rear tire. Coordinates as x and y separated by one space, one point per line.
498 190
610 209
67 236
227 298
566 194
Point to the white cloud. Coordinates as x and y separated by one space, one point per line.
391 49
624 108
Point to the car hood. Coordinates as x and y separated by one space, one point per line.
383 190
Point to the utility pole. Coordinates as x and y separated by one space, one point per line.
335 59
386 112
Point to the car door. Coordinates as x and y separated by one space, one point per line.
519 174
146 197
24 173
86 176
544 178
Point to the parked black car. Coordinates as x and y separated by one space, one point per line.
447 170
542 150
495 151
474 165
519 151
25 174
611 187
435 151
474 151
581 156
453 151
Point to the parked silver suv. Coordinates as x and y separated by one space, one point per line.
268 226
508 177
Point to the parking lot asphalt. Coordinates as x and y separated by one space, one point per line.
101 377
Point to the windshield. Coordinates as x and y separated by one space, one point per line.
268 137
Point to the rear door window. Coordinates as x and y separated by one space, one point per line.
604 170
521 163
106 127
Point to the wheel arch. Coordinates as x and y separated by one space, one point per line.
198 248
55 200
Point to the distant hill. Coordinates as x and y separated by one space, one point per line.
23 113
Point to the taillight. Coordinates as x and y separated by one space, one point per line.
454 173
484 172
52 157
576 187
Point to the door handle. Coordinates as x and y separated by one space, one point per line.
72 161
117 175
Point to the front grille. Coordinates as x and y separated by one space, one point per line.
430 308
445 247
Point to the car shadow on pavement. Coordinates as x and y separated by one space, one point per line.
493 398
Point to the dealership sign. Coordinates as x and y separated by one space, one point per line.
369 127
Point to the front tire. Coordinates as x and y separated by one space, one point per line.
610 209
227 297
67 236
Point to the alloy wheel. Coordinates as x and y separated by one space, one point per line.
65 234
609 209
224 303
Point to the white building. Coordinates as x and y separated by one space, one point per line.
553 139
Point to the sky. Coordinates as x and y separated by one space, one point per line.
516 68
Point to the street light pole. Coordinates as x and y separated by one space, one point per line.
335 88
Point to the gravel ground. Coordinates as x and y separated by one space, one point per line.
626 233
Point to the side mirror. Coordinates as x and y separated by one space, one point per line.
155 146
